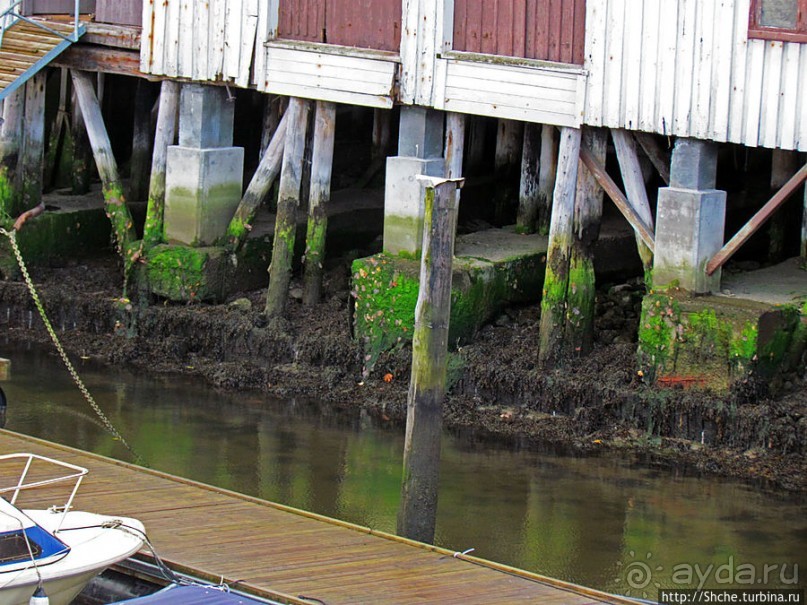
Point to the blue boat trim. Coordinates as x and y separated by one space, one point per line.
43 544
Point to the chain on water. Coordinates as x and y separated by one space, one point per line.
12 238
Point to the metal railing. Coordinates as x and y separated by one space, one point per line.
12 15
77 474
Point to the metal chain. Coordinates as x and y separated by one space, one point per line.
12 238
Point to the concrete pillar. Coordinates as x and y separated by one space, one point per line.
204 173
690 219
420 149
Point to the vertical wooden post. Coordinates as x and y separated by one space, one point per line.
320 193
658 157
508 150
81 173
528 194
10 137
581 291
417 514
455 144
164 136
259 186
33 141
114 200
556 280
57 137
288 200
635 191
804 230
271 119
477 133
547 171
784 164
382 119
140 163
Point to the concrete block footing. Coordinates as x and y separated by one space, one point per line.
689 232
203 189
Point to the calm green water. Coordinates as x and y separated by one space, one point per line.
586 520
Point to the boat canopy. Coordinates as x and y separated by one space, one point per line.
193 595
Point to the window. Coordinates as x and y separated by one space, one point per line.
14 547
784 20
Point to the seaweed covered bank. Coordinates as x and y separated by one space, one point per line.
597 403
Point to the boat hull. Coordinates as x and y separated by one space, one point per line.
95 541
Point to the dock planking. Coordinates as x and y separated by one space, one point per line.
287 554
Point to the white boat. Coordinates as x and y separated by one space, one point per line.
55 548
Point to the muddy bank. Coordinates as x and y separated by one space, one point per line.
592 404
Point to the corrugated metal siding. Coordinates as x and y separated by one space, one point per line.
203 41
374 24
687 68
550 30
119 12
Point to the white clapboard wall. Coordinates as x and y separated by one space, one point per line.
687 68
211 40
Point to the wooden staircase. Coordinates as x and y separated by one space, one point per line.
26 48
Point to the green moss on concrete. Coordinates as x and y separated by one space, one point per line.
714 342
55 235
402 233
183 273
658 329
385 291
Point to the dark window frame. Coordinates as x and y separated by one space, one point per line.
799 34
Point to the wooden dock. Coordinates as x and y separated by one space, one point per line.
286 554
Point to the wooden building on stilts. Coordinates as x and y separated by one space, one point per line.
677 110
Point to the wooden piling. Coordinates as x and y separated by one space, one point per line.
271 119
419 488
581 291
382 128
319 195
507 163
81 173
59 131
528 194
658 156
556 280
636 192
784 164
804 230
164 136
547 171
288 200
5 368
259 187
140 163
10 137
33 142
114 200
477 135
455 144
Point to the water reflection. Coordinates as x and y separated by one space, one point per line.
586 520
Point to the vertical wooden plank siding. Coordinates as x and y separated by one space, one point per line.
698 73
372 24
119 12
550 30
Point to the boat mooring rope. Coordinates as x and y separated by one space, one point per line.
12 238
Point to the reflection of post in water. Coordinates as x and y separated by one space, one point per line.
418 512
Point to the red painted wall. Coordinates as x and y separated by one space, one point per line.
120 12
374 24
551 30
